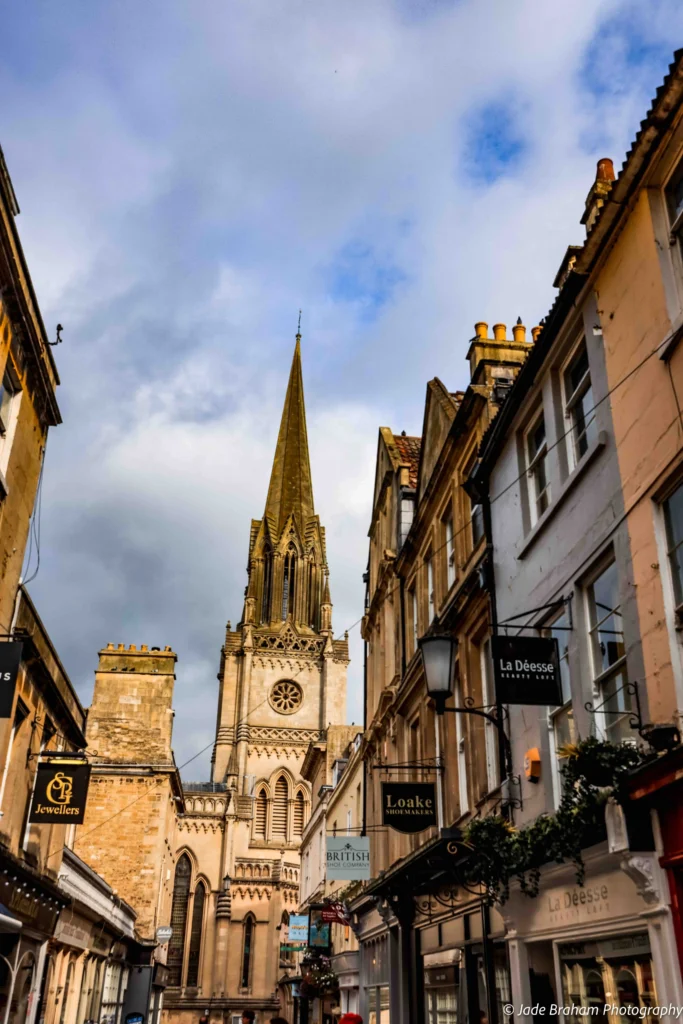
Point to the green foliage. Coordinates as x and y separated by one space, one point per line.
593 771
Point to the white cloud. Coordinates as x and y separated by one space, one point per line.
190 176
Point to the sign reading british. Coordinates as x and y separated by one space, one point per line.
408 806
60 792
527 670
348 858
10 659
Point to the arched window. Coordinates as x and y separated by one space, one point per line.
289 583
260 814
280 807
196 935
247 950
299 813
267 584
181 897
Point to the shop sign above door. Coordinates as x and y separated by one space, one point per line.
408 806
60 793
10 659
527 670
348 858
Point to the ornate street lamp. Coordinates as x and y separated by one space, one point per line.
439 654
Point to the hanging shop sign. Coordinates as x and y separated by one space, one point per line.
527 670
297 930
408 806
348 858
60 792
334 913
10 659
319 930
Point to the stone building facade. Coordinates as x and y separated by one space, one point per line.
282 682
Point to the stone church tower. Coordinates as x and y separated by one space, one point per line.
282 682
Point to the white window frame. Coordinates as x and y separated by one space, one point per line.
461 742
8 421
490 731
431 595
532 464
570 402
606 723
450 548
555 712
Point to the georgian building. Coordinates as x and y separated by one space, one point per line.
282 682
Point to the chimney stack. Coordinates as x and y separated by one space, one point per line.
601 188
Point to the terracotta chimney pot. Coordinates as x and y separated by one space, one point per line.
605 171
499 332
519 332
481 329
535 331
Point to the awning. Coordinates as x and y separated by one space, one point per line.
9 922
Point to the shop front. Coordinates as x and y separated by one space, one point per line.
605 946
29 908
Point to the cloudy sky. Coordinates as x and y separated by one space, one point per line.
190 174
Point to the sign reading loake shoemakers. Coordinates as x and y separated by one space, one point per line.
526 670
408 806
60 792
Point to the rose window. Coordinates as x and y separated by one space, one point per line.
286 697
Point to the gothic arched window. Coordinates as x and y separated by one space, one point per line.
247 950
280 808
196 935
267 584
286 953
181 898
299 814
260 814
289 583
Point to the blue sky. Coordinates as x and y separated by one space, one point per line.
191 174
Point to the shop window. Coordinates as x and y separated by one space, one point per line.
614 970
280 807
375 956
181 898
247 951
196 928
673 519
96 994
579 404
24 979
536 449
260 814
608 652
111 995
561 720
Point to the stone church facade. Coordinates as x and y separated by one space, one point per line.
282 682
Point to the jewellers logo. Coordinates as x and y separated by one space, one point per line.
60 792
408 806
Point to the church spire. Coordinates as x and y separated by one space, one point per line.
291 490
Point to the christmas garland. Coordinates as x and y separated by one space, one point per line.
593 771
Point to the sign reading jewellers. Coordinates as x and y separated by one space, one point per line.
408 806
526 670
60 792
348 858
10 658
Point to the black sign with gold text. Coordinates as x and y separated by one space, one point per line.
10 659
527 670
60 792
408 806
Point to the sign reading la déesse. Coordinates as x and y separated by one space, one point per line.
60 792
10 659
527 670
408 806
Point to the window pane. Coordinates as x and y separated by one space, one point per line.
606 622
585 425
477 524
673 514
536 439
576 371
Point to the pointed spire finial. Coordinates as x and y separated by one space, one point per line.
298 329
